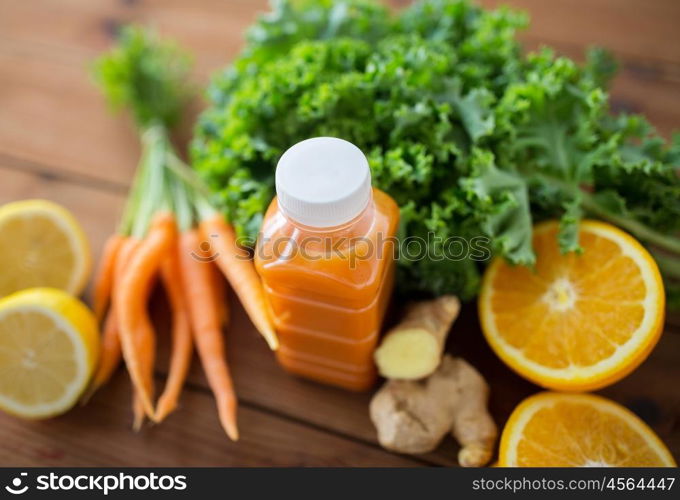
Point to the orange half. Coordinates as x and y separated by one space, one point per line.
576 322
578 430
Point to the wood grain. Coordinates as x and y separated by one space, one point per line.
50 110
97 210
262 384
99 435
631 28
259 381
52 114
59 141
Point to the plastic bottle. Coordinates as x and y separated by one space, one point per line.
326 258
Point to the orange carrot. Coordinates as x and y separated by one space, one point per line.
138 413
239 270
110 354
148 358
221 296
182 343
103 278
136 331
125 255
205 324
110 351
137 410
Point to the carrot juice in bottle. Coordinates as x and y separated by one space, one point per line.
326 258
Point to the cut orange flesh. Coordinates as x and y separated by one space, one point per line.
576 322
578 430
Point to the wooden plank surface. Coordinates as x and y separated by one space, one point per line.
264 388
105 423
46 49
98 435
638 29
58 140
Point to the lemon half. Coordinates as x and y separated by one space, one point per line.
42 245
49 346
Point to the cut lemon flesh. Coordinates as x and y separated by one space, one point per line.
577 321
578 430
48 349
41 245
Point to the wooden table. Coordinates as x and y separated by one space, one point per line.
58 141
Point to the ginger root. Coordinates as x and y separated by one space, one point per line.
414 416
413 349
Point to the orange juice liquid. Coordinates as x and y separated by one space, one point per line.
328 289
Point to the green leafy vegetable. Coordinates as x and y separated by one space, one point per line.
147 75
471 138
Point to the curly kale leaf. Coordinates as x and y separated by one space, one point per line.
500 202
470 137
555 128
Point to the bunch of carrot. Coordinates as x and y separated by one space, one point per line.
170 233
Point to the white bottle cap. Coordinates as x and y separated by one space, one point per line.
323 182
